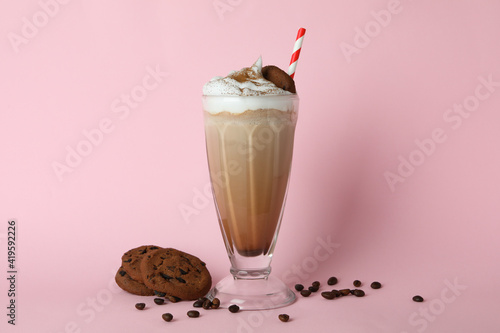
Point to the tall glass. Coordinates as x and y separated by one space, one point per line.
249 143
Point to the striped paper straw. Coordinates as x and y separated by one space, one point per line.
296 52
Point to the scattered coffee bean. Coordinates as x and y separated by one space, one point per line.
328 295
159 301
198 303
331 281
356 283
167 316
193 314
233 308
313 289
358 293
284 317
215 303
376 285
305 293
418 298
345 292
316 284
207 304
173 299
351 291
336 293
299 287
140 306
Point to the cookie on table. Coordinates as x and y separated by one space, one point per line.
124 281
176 273
131 260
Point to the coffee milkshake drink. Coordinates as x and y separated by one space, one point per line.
250 117
249 156
249 126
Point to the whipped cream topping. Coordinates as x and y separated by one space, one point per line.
238 105
245 82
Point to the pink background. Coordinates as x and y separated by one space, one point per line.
362 112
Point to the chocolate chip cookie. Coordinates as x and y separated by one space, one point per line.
131 260
176 273
124 281
279 77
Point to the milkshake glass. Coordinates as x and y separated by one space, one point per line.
249 142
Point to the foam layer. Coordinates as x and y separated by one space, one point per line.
240 104
245 82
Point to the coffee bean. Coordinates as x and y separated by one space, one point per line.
233 308
215 303
305 293
351 291
159 301
193 314
299 287
140 306
331 281
418 298
167 316
336 293
345 292
313 289
316 284
198 303
376 285
356 283
207 304
284 317
173 299
328 295
358 293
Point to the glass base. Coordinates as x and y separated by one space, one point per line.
252 294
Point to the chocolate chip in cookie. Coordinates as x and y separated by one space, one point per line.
124 281
131 260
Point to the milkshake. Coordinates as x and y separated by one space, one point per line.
249 157
249 126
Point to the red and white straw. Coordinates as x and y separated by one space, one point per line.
296 52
